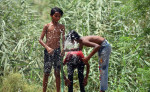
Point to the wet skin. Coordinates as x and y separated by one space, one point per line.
52 31
90 41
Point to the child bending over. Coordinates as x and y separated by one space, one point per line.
74 60
99 45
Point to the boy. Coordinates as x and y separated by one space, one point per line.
53 32
99 45
74 60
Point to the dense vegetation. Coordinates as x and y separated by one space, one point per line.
124 23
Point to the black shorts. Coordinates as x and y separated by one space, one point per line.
52 60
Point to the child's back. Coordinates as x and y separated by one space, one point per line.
74 57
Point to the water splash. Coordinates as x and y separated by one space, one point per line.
70 45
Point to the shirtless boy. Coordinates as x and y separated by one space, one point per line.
52 56
99 45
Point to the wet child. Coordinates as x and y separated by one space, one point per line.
74 61
99 45
52 57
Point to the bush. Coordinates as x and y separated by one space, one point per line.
14 83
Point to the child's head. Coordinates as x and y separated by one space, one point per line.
56 9
73 35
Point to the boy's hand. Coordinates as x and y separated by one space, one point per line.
67 82
50 51
85 81
85 60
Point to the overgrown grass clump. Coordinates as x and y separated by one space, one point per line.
15 83
125 24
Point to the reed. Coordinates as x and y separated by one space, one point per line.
125 24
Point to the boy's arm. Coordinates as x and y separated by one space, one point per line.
96 48
63 34
80 46
41 38
63 38
87 74
87 70
67 81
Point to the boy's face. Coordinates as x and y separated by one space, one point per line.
56 17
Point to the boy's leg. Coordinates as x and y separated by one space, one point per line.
45 81
81 76
57 76
103 67
103 77
47 69
70 71
57 67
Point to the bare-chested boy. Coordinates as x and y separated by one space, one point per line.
52 56
99 45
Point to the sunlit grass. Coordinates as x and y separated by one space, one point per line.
14 83
120 22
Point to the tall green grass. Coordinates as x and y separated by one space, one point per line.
19 39
15 83
125 24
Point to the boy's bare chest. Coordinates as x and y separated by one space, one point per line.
54 31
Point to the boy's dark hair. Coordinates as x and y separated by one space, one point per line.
73 35
56 9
